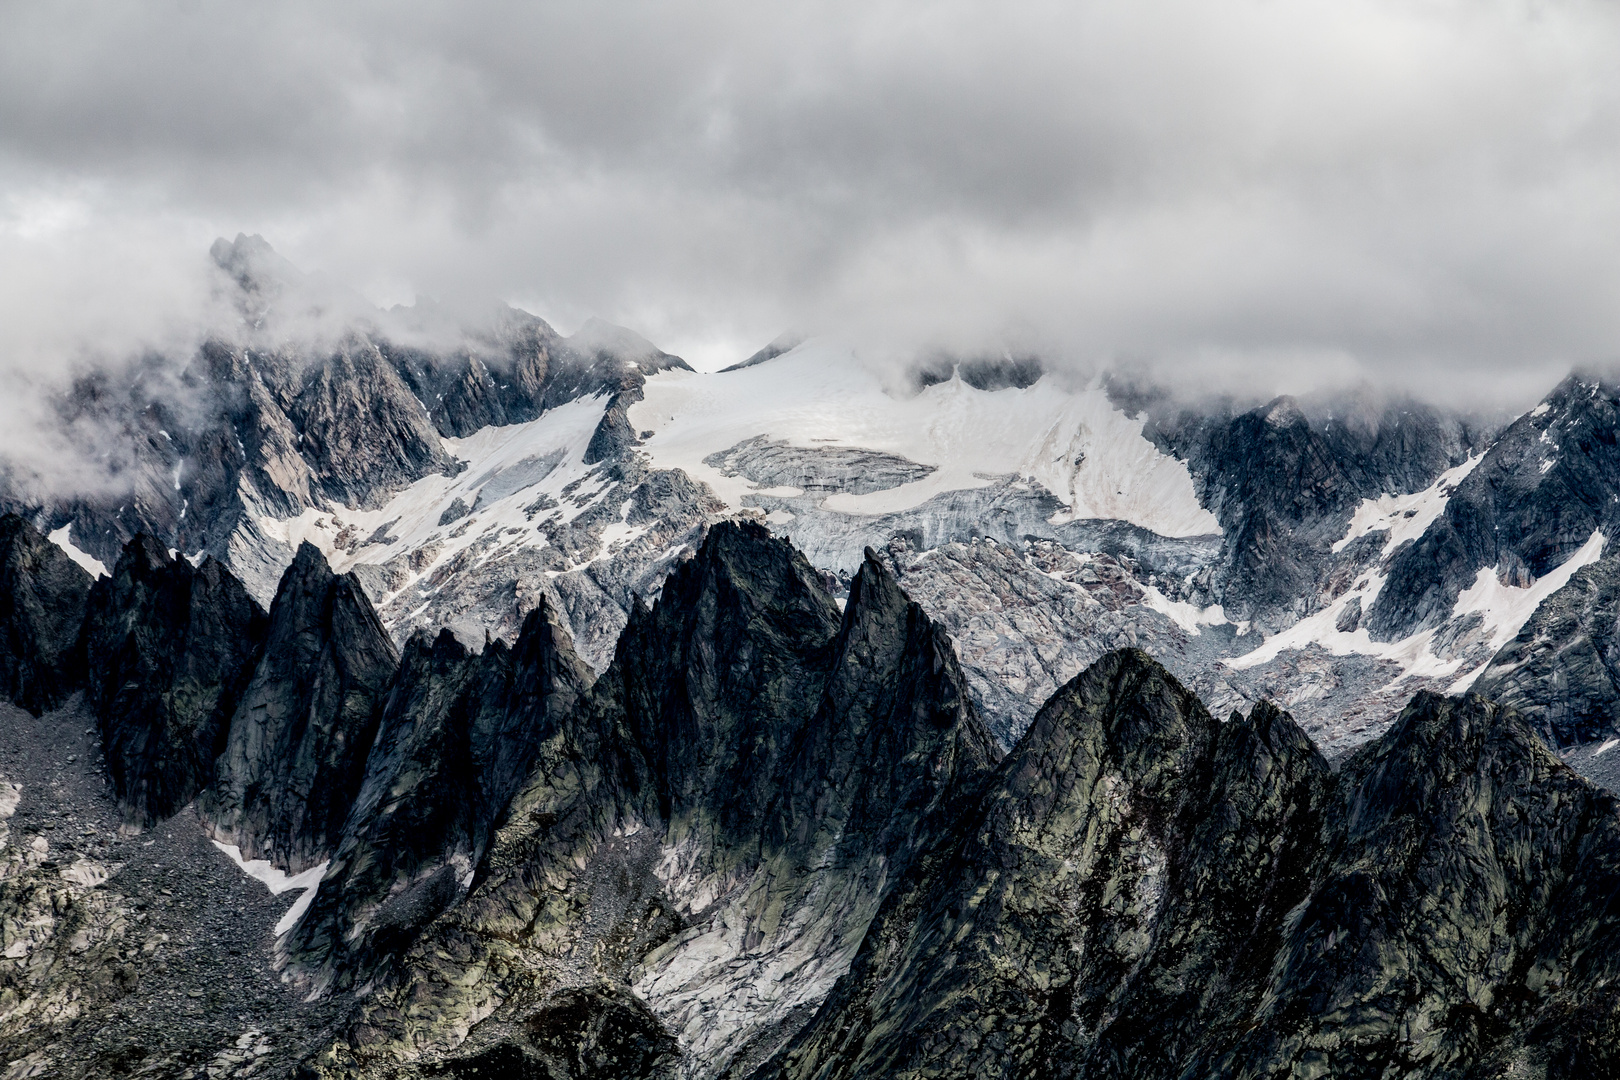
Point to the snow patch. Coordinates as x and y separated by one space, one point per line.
1321 629
1189 617
1506 608
62 539
1609 744
1503 608
1406 517
509 469
279 881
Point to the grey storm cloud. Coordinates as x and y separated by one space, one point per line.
1251 192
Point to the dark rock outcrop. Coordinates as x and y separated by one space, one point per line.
980 372
317 398
169 649
817 470
1143 892
780 345
362 430
1284 478
42 600
458 736
302 732
498 378
740 790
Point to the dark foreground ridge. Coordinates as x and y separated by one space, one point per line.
774 840
1143 892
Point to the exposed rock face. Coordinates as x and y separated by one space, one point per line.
1546 485
746 781
782 343
1009 510
816 469
299 740
42 600
1024 622
1143 893
363 432
1284 478
458 736
129 953
499 379
1562 671
260 425
169 649
775 840
490 585
979 372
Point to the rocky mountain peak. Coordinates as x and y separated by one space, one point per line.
1199 899
706 671
740 790
1546 485
1561 672
253 263
457 737
1284 411
598 339
299 739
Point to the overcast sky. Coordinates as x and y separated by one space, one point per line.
1424 194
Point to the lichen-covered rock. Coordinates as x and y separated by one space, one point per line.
458 736
713 830
1143 892
169 649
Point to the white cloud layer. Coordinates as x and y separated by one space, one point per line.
1254 193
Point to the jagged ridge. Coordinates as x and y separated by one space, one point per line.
1145 893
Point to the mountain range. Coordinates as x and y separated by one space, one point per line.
805 719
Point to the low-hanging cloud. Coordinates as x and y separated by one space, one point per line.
1269 196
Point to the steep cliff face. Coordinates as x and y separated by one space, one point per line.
1027 940
458 736
1144 892
1546 485
363 432
1284 478
712 831
498 378
1562 671
316 401
42 600
302 731
1461 919
169 650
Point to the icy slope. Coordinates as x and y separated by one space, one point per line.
1075 443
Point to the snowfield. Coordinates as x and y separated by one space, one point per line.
1071 441
1074 442
1406 517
